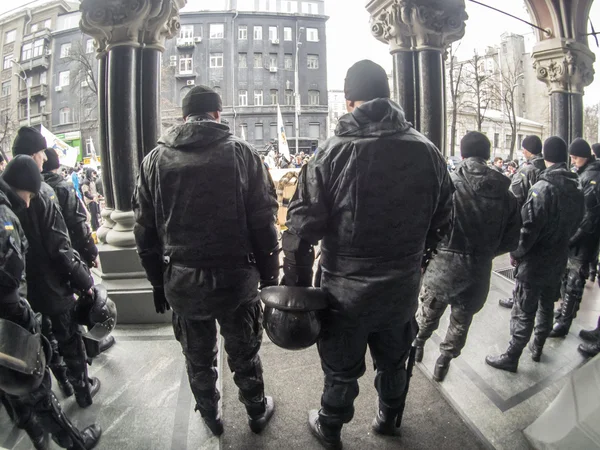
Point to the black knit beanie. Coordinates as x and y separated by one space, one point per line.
580 147
475 144
596 150
366 81
52 161
532 144
555 150
200 100
23 173
29 141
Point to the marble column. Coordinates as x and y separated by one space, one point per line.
418 33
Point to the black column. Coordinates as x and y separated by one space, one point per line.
109 197
559 104
576 116
122 123
404 83
431 96
149 98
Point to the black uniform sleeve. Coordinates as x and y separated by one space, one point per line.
441 220
510 239
591 218
520 186
534 215
145 231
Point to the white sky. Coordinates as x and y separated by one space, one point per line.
349 36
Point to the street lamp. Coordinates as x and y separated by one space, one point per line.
25 80
297 102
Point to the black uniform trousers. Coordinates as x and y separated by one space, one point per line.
533 310
241 330
342 347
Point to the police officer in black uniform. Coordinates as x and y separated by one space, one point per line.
551 214
376 196
584 243
38 412
55 271
205 231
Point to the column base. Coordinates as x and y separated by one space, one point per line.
122 274
107 225
121 234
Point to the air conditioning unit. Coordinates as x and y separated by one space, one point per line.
197 40
173 64
273 69
191 82
173 59
48 52
275 42
58 88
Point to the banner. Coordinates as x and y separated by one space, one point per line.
284 148
67 155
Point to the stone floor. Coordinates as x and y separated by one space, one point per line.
146 402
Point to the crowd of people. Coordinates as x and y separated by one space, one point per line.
401 238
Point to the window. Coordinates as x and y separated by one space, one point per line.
7 62
63 78
34 28
187 32
273 131
274 96
312 61
313 97
10 36
288 61
312 35
258 98
48 23
257 33
258 132
507 140
43 77
273 34
310 8
496 140
242 60
244 131
186 63
258 60
217 30
519 139
289 129
243 33
290 7
287 33
38 48
289 97
89 46
272 60
216 60
243 98
65 50
314 130
64 115
26 51
42 106
5 88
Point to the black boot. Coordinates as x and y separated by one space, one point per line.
329 436
535 347
60 373
259 414
39 438
589 349
386 421
420 349
568 312
213 420
506 302
591 335
508 361
85 391
442 365
91 436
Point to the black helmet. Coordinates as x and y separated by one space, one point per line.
292 315
97 312
23 357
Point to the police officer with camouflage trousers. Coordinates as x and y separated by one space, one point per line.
376 196
526 176
205 231
551 214
584 243
38 412
486 224
55 271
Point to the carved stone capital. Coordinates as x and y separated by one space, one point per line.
564 65
163 23
417 24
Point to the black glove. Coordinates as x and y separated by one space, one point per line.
160 301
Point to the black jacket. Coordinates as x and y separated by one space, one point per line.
54 269
551 214
75 217
485 223
201 198
13 248
375 195
584 243
527 175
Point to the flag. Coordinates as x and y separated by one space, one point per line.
93 156
67 155
284 148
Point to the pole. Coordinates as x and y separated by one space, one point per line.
297 101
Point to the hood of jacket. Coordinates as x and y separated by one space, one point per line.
593 166
377 118
195 134
537 161
484 180
52 178
559 175
9 197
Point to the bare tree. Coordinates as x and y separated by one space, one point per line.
170 111
455 77
511 76
478 83
8 125
85 84
590 122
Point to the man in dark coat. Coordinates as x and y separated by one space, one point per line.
486 223
377 196
205 231
551 214
594 263
584 243
38 412
55 271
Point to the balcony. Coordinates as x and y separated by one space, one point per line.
41 62
41 34
40 90
186 74
184 43
36 119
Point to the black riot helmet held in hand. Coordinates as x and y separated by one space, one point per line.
291 317
98 313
